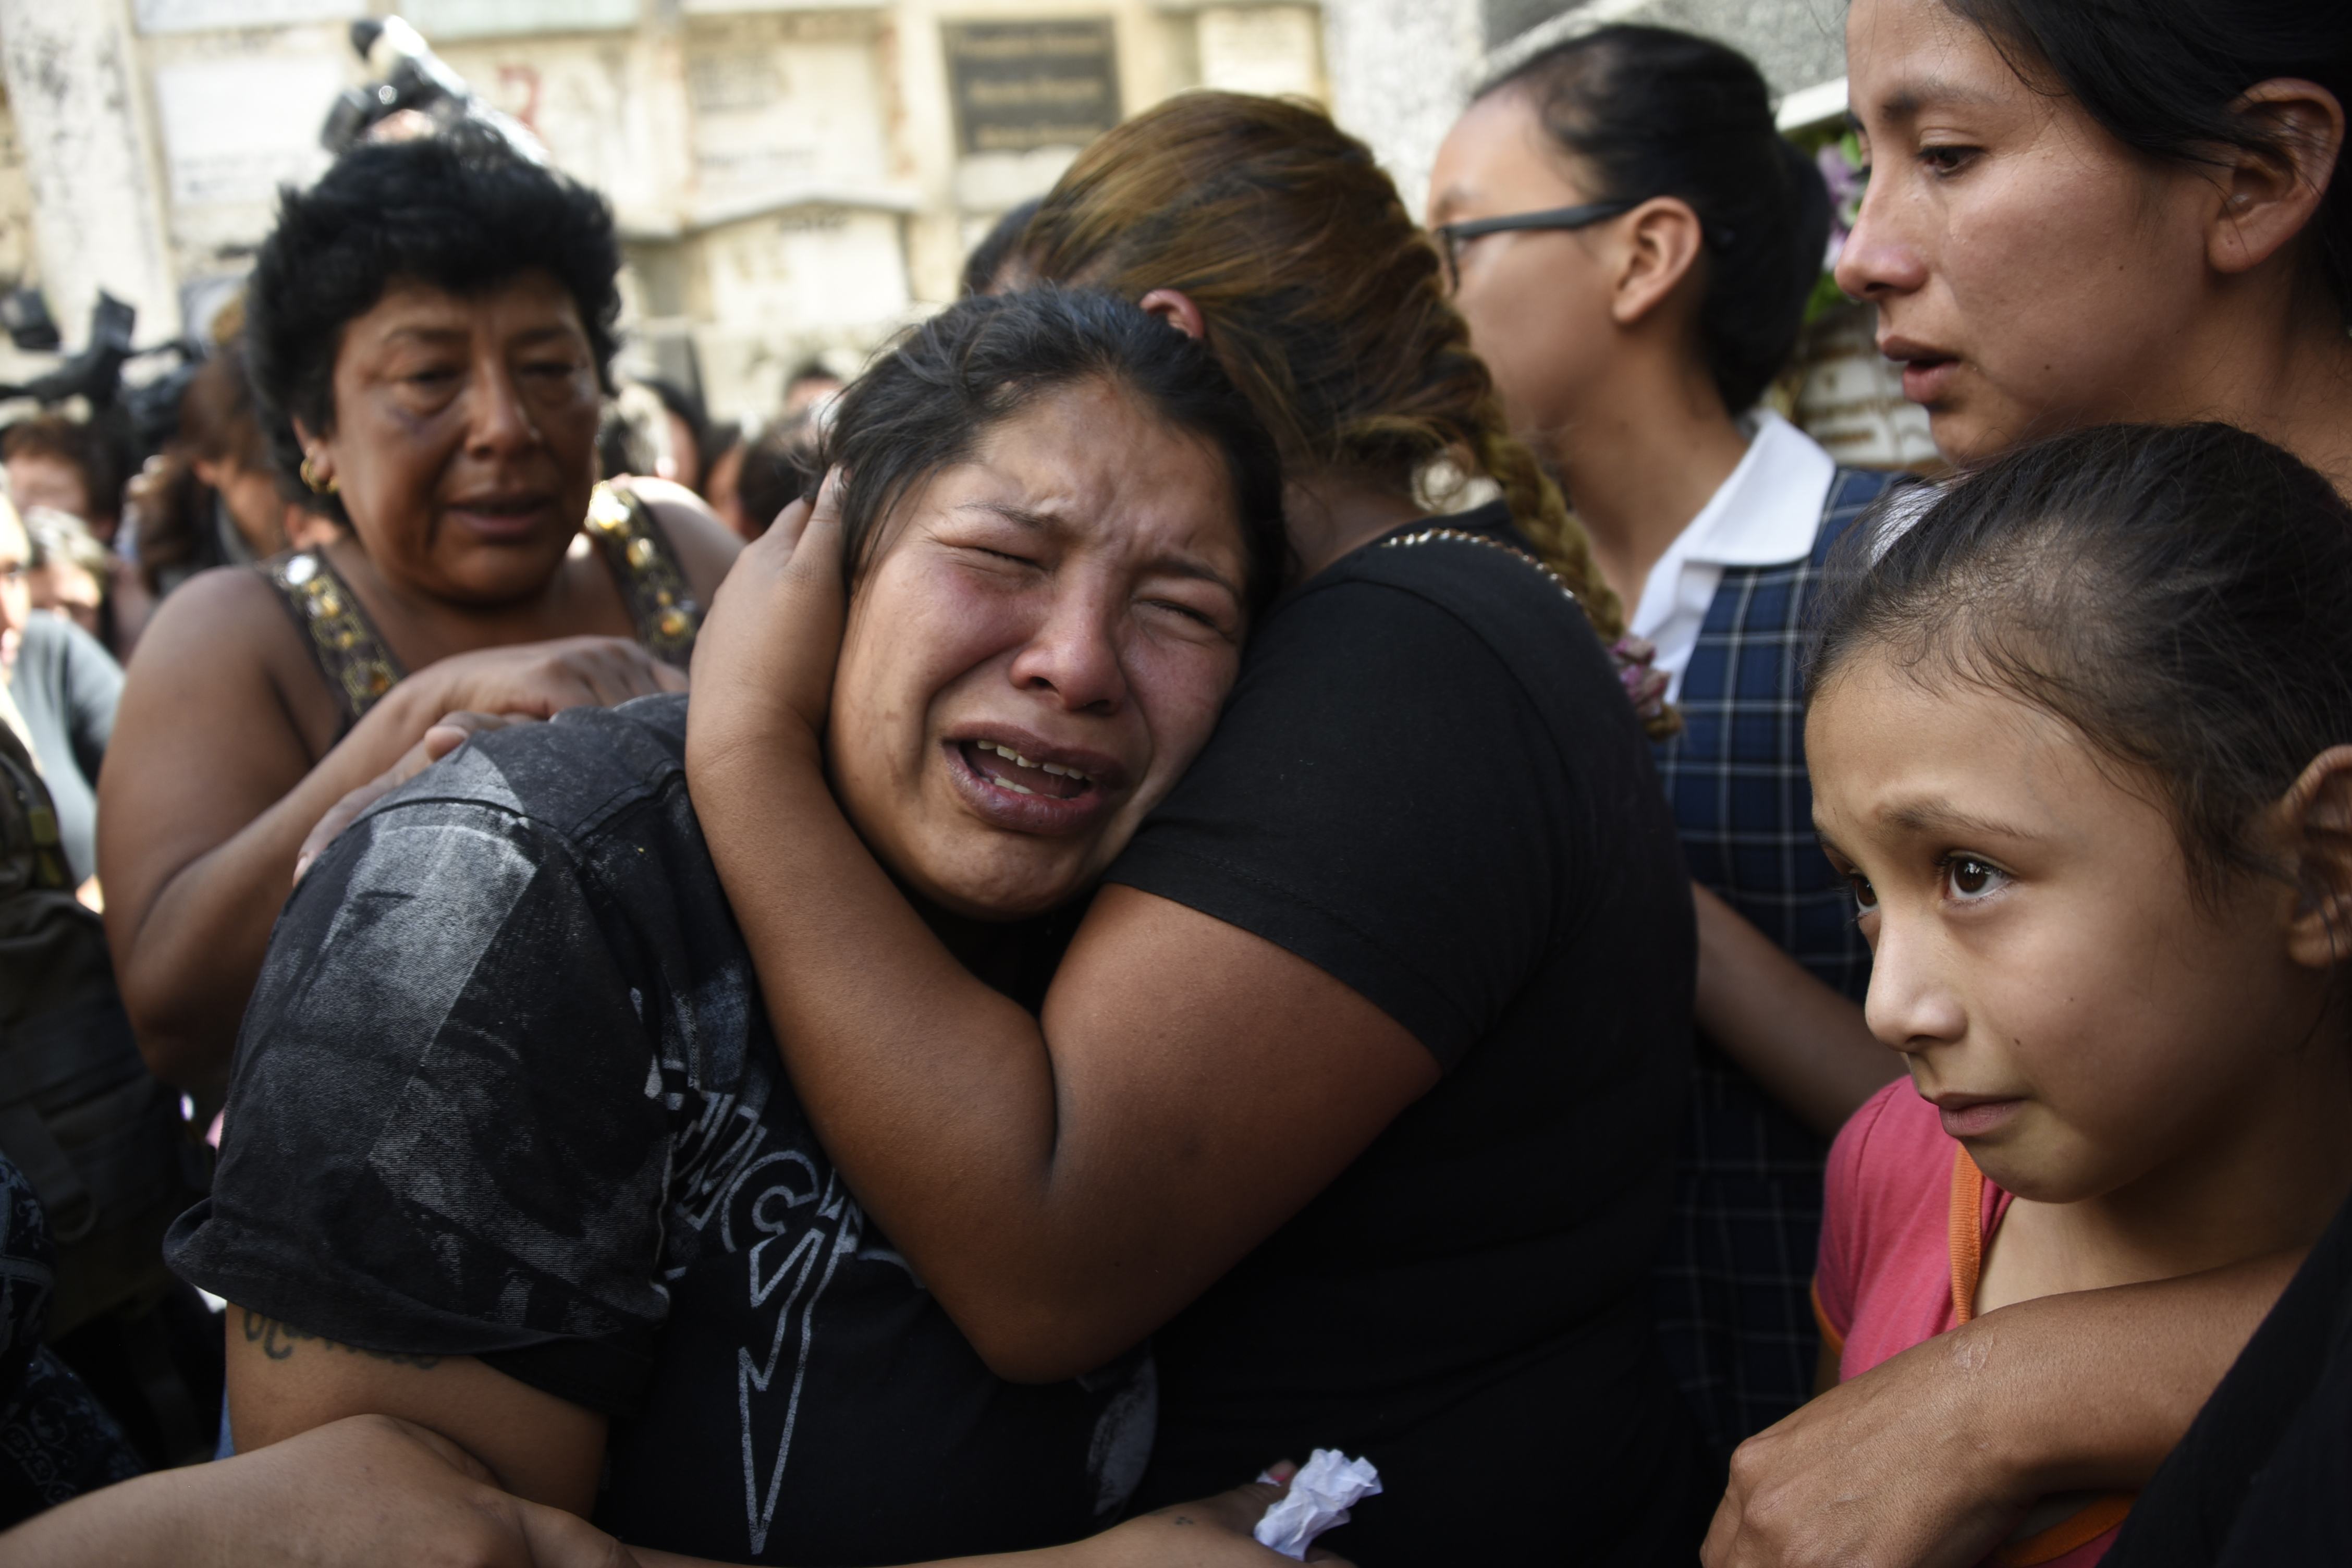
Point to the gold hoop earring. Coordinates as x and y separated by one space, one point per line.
310 477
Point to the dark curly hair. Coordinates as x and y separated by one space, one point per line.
461 211
926 404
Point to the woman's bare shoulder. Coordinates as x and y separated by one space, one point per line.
224 640
215 611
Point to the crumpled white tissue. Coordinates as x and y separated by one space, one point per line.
1319 1497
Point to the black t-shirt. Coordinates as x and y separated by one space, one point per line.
1429 784
56 1441
2262 1477
506 1089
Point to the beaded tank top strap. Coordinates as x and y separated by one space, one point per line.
358 664
652 585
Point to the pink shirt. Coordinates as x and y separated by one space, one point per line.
1908 1219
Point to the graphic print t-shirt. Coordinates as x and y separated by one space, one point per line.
506 1089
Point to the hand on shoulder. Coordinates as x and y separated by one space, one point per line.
537 680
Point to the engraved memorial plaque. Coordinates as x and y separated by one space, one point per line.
1019 86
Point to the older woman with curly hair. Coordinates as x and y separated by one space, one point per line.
430 330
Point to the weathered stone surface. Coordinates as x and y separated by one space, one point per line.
1798 43
1400 70
73 85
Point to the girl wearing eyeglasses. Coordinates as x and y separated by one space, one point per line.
1632 243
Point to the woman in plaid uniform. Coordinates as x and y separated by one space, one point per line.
1634 244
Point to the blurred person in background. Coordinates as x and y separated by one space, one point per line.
722 481
776 470
72 571
688 425
632 434
430 329
75 468
66 687
213 498
810 383
994 263
1632 243
55 461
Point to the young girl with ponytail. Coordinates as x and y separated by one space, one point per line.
2076 215
2080 750
1355 1089
1632 243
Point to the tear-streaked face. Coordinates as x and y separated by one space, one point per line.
2076 1015
1039 651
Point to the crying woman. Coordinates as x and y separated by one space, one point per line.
510 1152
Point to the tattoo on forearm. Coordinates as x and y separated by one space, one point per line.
278 1341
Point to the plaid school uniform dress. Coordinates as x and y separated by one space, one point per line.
1735 1316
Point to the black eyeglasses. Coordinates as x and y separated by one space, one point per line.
1451 235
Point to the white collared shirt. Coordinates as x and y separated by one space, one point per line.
1765 514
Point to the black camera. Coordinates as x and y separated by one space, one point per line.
411 79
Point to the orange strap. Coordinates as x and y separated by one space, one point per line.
2102 1513
2079 1529
1967 1233
1830 1336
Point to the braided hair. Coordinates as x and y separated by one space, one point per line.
1326 300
